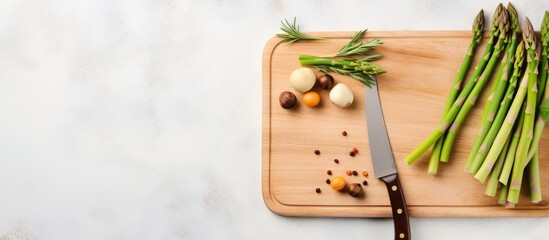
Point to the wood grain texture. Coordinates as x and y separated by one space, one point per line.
420 69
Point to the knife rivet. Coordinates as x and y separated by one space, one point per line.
394 188
401 235
399 211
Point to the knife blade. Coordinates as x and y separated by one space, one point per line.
383 161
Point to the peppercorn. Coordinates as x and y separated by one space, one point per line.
354 150
318 190
344 133
336 161
328 181
364 173
329 172
317 152
365 183
352 154
348 172
355 173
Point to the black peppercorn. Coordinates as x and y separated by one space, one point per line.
318 190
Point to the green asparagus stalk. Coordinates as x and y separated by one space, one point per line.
534 180
510 159
543 75
360 69
502 112
527 132
493 182
478 26
479 86
503 191
506 127
498 90
497 24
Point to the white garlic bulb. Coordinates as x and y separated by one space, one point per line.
341 95
302 79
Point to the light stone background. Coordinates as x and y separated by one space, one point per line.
142 119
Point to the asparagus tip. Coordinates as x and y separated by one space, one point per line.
513 17
478 24
528 34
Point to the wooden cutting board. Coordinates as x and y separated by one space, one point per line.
420 69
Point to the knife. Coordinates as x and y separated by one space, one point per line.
383 161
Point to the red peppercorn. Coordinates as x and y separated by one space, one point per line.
354 150
365 183
365 173
355 173
352 154
336 160
329 172
348 172
328 181
317 152
344 133
318 190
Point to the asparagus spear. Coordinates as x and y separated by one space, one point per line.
535 185
502 200
492 186
502 112
497 24
543 75
499 91
510 159
506 127
479 86
531 102
478 26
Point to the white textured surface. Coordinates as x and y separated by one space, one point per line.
142 119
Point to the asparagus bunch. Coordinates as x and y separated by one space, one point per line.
468 95
509 156
486 133
485 77
478 27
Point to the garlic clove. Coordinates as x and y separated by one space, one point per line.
341 95
302 79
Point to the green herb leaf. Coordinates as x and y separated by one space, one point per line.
292 33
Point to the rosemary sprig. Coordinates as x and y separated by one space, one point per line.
292 33
357 48
361 69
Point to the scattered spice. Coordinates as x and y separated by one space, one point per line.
329 172
318 190
336 161
355 190
348 172
317 152
352 154
365 173
338 183
344 133
365 183
328 181
354 150
355 173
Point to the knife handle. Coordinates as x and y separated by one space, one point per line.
398 206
